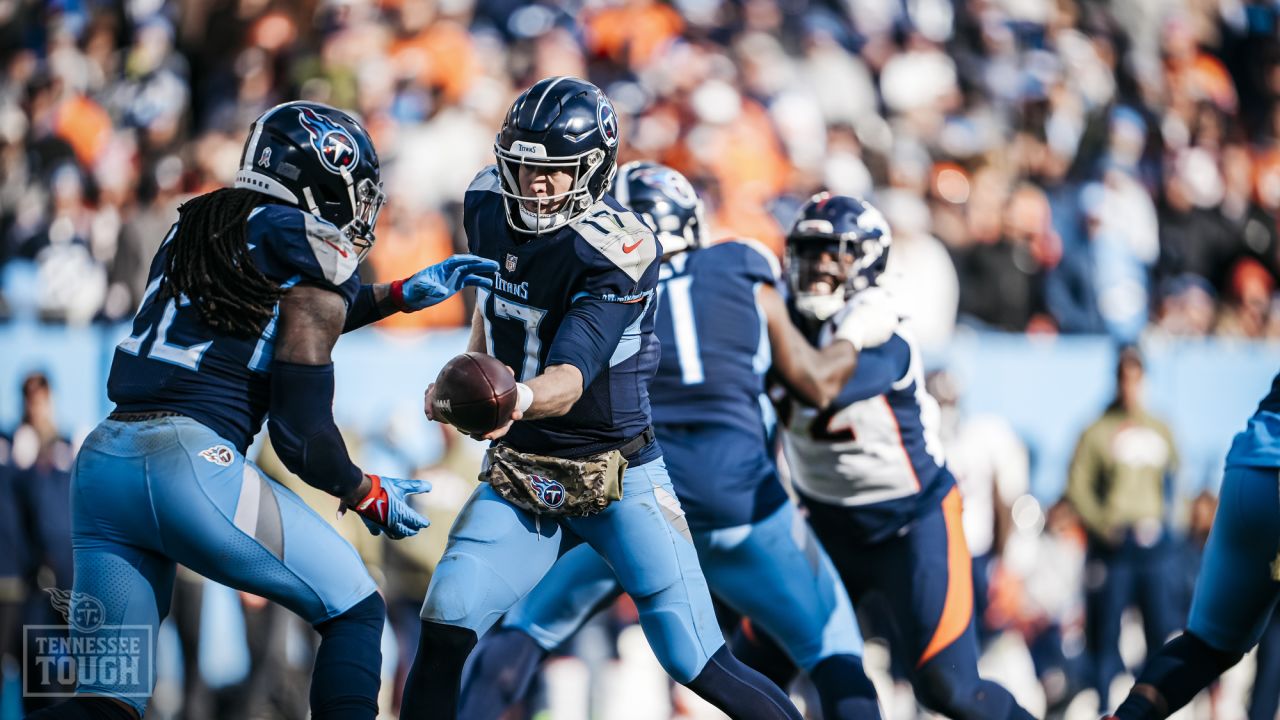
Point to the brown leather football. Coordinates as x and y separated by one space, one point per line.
475 393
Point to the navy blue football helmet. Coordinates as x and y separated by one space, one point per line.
666 201
837 246
561 123
319 159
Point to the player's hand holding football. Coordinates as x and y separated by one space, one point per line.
386 507
440 281
871 320
477 394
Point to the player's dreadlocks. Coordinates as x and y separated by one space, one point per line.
209 263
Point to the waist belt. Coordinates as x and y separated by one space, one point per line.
142 416
637 443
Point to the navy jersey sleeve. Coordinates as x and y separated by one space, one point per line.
621 256
878 369
295 247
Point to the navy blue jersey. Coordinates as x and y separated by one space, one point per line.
582 295
715 346
1258 445
709 407
876 449
174 361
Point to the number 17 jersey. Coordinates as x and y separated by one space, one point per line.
580 295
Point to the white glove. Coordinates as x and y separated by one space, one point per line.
870 320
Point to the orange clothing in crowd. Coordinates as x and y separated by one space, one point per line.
85 126
403 248
441 56
1206 78
747 159
634 32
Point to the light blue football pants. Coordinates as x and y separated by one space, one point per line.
148 495
773 571
497 553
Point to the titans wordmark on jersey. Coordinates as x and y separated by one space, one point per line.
581 295
174 361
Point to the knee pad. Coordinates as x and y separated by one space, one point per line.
675 643
460 594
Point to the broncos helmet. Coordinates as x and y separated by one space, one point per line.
561 123
319 159
837 246
666 201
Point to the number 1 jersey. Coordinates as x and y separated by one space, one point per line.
581 295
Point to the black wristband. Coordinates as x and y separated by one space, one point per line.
364 310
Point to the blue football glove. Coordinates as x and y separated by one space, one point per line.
438 282
386 507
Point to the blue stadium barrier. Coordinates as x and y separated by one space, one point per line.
1048 388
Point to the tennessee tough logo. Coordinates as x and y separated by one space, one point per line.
334 145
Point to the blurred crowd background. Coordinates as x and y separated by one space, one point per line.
1046 165
1109 170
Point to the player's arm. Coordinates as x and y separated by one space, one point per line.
421 290
301 415
581 350
819 377
812 376
550 394
476 343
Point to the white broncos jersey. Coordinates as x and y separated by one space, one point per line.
878 442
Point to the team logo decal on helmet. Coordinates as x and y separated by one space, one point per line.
669 183
336 147
608 120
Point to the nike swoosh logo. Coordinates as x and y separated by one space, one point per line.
341 252
382 509
628 248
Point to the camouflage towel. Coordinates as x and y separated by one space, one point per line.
555 486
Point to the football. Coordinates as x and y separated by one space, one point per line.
475 393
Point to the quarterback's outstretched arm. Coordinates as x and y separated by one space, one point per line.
554 391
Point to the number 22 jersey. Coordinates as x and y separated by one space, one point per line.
580 295
174 361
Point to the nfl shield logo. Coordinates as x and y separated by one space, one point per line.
510 263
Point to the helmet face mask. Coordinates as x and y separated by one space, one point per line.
544 213
560 125
839 246
367 201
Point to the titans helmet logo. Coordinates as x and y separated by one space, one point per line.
334 144
607 118
671 184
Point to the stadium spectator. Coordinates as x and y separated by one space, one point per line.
1118 483
41 489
